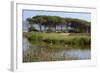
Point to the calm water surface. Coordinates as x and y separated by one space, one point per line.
34 53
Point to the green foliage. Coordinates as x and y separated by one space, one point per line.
32 29
56 38
53 21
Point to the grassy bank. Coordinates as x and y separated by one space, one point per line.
59 38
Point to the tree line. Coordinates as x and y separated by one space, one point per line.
52 22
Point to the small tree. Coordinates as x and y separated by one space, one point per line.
31 23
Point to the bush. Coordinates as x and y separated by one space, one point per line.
32 29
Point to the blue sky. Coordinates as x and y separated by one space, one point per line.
81 15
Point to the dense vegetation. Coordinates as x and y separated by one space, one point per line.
79 30
58 39
51 23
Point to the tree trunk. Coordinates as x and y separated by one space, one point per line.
40 27
55 27
31 25
61 27
44 27
87 29
66 28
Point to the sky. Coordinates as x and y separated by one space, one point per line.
78 15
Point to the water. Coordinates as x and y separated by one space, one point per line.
37 53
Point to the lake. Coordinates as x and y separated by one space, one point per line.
37 52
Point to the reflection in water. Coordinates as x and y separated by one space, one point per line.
36 53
